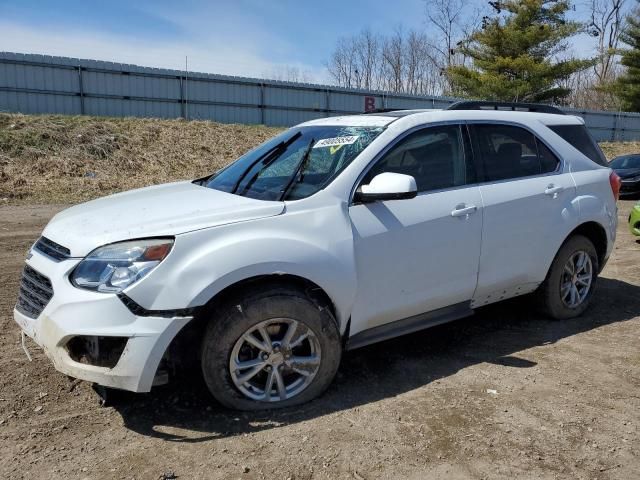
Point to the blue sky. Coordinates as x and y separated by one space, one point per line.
241 37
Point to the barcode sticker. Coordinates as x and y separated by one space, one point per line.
336 141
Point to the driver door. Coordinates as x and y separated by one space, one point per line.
419 255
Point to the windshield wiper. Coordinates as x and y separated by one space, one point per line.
298 170
275 150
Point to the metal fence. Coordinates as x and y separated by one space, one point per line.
44 84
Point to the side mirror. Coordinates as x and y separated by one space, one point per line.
387 186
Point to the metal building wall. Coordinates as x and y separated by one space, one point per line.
43 84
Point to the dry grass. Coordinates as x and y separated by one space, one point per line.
59 159
63 159
613 149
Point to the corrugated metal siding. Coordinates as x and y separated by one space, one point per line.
43 84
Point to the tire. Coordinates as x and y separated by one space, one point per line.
237 326
554 298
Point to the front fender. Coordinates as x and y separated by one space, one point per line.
333 274
205 262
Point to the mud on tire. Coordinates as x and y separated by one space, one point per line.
235 335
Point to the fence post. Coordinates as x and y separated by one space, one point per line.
81 90
263 117
182 109
327 97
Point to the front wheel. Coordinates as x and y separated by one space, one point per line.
570 283
271 349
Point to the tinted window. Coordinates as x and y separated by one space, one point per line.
512 152
548 160
435 157
627 161
580 138
295 164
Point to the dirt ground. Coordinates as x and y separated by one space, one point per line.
503 394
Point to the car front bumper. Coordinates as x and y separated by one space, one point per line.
73 313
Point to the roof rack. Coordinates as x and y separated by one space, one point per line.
508 106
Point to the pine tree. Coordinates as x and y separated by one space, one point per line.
514 54
627 86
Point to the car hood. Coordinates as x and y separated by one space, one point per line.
627 172
161 210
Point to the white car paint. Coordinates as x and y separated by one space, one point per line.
377 262
413 256
166 209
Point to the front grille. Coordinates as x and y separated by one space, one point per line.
52 249
35 293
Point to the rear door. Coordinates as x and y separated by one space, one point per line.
525 196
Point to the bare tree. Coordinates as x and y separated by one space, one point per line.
445 17
355 61
606 23
287 73
367 54
450 24
422 74
342 64
393 62
589 88
402 62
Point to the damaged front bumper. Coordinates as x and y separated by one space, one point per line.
94 336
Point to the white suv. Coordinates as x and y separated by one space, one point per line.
335 234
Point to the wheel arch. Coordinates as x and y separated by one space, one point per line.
311 289
184 349
597 234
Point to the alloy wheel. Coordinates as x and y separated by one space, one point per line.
275 360
576 279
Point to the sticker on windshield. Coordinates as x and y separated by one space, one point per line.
336 141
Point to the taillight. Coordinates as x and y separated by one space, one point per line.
615 182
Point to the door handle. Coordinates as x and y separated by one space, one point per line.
553 190
463 210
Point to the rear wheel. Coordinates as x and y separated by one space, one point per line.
275 348
570 283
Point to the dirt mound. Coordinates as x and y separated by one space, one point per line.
55 158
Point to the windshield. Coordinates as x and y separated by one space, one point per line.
295 164
628 161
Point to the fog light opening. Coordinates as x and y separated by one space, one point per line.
96 351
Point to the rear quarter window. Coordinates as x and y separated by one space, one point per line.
580 138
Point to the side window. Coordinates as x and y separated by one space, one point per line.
580 138
512 152
548 160
435 157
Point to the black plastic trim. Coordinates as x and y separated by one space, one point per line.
506 106
52 249
35 293
140 311
410 325
360 197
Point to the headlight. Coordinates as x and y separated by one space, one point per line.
112 268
